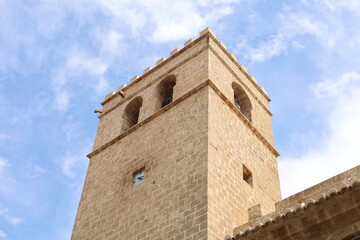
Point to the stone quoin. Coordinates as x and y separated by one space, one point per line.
186 152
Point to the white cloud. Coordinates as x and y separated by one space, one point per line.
107 24
78 63
2 234
10 219
339 152
184 19
4 137
36 171
272 47
297 45
336 87
62 100
80 70
75 157
73 161
352 5
4 163
293 24
112 42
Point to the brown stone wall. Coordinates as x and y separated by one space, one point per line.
193 152
223 72
171 202
190 69
232 144
321 188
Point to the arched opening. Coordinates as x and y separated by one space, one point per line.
242 101
131 113
165 91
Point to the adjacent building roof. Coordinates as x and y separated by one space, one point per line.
333 213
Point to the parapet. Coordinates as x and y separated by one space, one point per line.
206 32
331 189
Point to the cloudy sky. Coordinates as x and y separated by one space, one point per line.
59 58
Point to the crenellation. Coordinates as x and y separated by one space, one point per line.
262 89
222 44
233 56
121 87
187 43
173 52
242 67
146 70
253 79
109 95
134 78
161 60
197 129
207 30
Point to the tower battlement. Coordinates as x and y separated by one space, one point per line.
181 152
207 32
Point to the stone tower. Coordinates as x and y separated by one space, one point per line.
182 152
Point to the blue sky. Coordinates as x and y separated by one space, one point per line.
58 59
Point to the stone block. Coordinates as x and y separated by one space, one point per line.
109 95
253 79
134 78
242 67
188 42
160 61
222 44
121 87
174 51
233 56
146 70
207 30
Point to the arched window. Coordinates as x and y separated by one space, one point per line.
165 91
242 101
131 113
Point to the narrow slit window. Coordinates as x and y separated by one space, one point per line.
247 176
139 177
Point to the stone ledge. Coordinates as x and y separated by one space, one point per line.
344 195
153 82
240 67
177 101
241 81
139 78
208 34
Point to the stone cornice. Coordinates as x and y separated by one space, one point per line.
208 46
238 65
242 117
159 66
209 35
344 197
239 79
179 100
156 80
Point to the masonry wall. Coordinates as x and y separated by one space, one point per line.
321 188
223 72
171 202
232 144
190 67
193 151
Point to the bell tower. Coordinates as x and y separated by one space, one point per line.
182 152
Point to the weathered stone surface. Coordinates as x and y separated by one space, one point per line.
194 148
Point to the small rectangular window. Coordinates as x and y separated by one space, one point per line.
247 176
139 177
